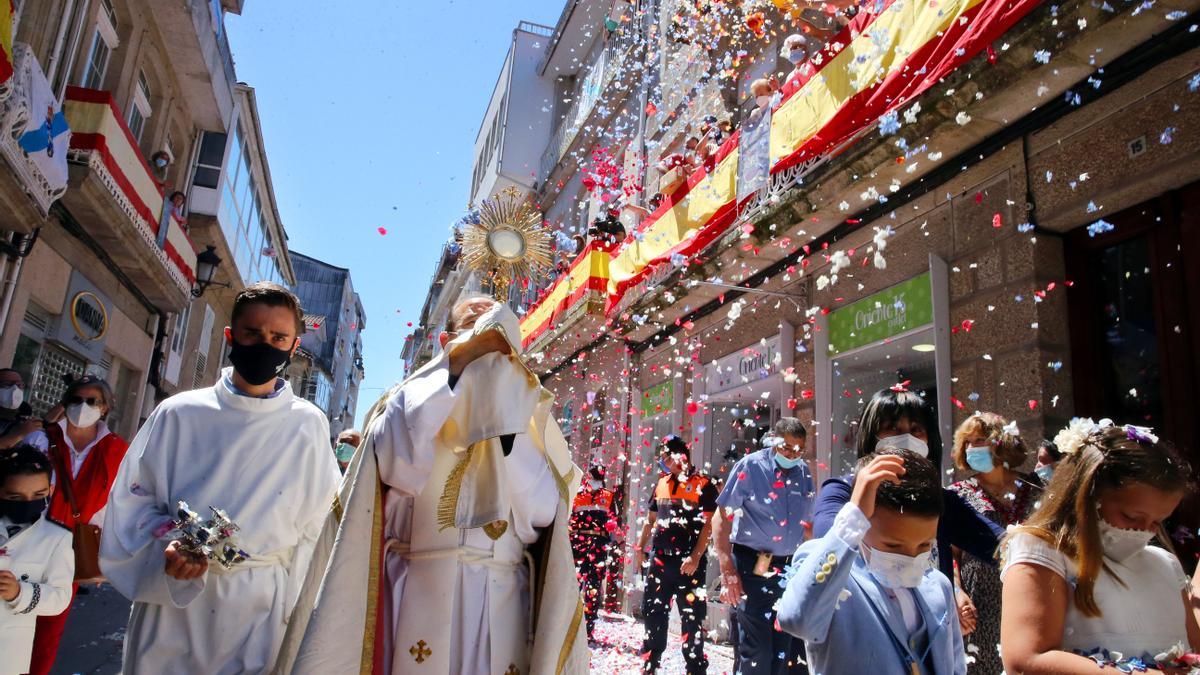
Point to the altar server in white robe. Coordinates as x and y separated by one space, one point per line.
475 481
245 445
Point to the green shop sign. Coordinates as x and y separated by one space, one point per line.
658 399
888 313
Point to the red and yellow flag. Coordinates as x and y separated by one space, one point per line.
6 39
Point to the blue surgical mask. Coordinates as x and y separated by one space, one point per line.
1044 472
979 458
785 463
662 466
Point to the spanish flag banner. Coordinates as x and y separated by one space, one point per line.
880 62
6 41
888 55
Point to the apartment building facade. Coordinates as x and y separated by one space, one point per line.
103 273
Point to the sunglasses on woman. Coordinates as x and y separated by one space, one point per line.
76 400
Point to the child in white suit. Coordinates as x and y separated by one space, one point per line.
37 561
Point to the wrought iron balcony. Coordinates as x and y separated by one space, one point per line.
116 200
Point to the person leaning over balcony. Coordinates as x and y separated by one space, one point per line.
173 209
85 455
762 520
607 231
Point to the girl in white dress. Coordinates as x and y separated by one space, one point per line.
1083 590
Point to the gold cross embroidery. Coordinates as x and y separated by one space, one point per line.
512 670
420 651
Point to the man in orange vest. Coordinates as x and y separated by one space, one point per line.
680 519
592 521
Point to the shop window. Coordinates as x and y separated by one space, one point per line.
1129 342
25 357
858 374
736 431
54 365
1133 313
122 417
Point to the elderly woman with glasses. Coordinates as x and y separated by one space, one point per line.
82 445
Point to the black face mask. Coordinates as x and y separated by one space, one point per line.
258 363
22 512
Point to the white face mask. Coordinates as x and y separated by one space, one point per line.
1120 544
895 570
595 484
903 442
763 101
83 415
11 397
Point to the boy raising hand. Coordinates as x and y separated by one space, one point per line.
866 597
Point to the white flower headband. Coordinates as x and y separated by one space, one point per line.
1075 435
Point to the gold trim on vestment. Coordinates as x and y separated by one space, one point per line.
569 641
447 507
338 511
366 665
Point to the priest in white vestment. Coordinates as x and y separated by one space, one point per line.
245 445
451 553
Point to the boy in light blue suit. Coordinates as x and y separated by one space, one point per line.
865 597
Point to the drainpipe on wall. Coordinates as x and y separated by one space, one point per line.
64 76
60 40
12 272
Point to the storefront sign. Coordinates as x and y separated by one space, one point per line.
756 362
659 399
888 313
83 325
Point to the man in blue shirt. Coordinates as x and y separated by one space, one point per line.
762 518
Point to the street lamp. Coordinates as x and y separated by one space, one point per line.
206 268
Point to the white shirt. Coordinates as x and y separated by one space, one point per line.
39 440
1143 616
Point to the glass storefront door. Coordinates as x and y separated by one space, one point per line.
1134 313
858 374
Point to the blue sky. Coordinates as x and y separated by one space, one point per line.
370 110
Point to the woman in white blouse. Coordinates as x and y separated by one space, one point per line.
1083 590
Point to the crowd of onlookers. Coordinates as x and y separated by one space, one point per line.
55 475
1065 568
1047 557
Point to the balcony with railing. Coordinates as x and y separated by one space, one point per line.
826 107
33 142
571 309
594 96
116 200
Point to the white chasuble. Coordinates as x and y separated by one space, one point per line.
449 555
268 464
